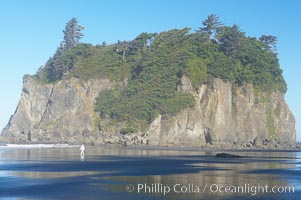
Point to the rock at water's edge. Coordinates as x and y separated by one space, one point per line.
224 116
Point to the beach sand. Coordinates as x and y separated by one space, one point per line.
105 172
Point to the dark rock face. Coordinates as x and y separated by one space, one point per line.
224 116
298 145
226 155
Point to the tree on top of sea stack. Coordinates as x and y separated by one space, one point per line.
270 41
72 34
211 25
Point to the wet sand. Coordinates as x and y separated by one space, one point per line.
105 173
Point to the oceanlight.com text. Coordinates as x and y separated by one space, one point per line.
245 189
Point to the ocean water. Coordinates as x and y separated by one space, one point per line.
149 173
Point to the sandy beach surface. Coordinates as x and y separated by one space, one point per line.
56 172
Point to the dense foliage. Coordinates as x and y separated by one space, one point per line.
66 55
152 65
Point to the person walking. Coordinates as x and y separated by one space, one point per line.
82 150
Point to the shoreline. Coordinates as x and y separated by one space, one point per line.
179 148
144 147
37 146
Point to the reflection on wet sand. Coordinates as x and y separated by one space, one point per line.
230 172
50 174
107 171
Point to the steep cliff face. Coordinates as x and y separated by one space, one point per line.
60 112
228 116
224 115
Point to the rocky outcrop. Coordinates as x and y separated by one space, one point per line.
224 116
60 112
226 155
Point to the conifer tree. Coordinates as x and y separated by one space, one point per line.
270 41
211 25
72 34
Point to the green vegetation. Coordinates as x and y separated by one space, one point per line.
104 63
154 63
152 88
271 123
211 25
277 110
66 55
196 70
127 130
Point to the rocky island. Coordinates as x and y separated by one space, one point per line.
213 87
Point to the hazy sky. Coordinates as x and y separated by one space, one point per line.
31 31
